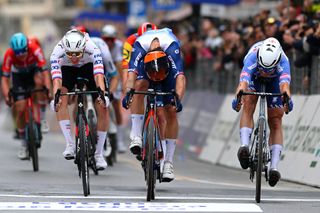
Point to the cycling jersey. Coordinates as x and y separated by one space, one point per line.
92 54
171 46
127 49
34 60
251 67
252 71
116 51
109 68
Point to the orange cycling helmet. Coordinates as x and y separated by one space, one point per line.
156 65
145 27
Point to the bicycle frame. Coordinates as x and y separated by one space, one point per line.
259 156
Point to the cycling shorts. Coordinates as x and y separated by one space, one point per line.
22 81
272 86
167 85
71 73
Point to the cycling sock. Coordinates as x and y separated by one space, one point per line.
171 146
120 133
275 155
245 135
137 122
43 106
65 127
101 140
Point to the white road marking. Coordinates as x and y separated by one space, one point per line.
132 207
163 198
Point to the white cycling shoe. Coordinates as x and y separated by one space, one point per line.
23 153
69 152
135 145
45 126
101 164
167 175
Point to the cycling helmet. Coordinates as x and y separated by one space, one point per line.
156 65
19 43
74 41
109 31
146 27
269 53
81 28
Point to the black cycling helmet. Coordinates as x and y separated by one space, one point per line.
156 65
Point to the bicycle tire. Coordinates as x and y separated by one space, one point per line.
150 171
261 124
83 157
32 146
92 141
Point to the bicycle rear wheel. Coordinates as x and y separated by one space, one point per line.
150 171
84 157
260 160
32 146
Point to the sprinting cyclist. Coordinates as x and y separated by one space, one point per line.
265 59
24 65
77 56
156 58
109 35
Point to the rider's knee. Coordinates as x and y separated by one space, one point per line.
171 113
141 85
275 122
249 105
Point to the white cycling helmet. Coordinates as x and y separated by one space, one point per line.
109 31
74 41
269 53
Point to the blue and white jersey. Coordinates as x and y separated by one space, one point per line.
168 43
252 68
110 69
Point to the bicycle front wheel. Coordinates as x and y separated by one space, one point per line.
84 157
150 171
33 151
260 159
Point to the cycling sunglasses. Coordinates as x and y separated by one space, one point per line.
76 54
21 51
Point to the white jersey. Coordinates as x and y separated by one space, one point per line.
116 51
92 54
109 67
165 36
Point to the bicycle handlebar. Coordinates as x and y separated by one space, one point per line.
152 92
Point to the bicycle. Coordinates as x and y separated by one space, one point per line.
33 134
85 142
259 154
151 151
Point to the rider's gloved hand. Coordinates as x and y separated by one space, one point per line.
290 107
102 98
236 102
177 103
127 99
287 103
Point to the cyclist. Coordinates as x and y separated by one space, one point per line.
77 56
137 110
267 60
109 35
157 59
25 64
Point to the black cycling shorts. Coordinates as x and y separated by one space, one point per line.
70 75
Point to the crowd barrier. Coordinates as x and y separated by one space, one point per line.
300 159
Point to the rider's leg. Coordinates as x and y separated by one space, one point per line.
137 115
41 100
275 141
162 122
120 127
65 125
246 127
20 107
171 135
102 126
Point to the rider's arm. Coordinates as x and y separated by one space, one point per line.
6 69
176 64
285 77
56 74
126 55
98 68
249 67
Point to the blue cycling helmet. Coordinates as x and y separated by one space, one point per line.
19 43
